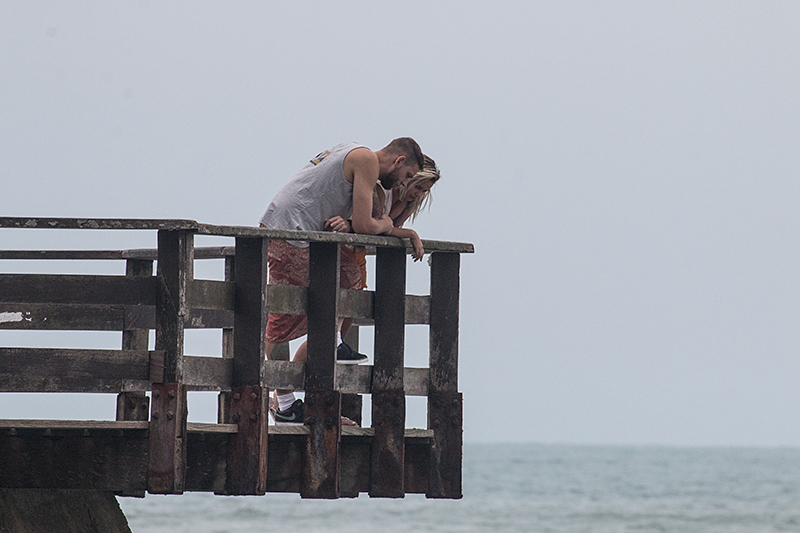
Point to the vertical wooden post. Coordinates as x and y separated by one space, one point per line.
167 453
445 410
388 395
223 402
246 470
323 402
135 405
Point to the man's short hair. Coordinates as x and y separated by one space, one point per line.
408 147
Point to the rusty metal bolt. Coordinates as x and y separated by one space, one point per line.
155 414
170 415
254 396
237 396
455 403
235 417
171 394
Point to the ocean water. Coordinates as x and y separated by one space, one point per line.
531 487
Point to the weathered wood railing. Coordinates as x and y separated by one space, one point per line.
152 447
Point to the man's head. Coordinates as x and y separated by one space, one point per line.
399 161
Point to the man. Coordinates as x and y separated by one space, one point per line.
337 182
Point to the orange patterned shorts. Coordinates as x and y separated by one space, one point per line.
288 265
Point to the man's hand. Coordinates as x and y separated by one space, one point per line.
385 223
338 224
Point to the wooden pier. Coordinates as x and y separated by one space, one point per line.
151 447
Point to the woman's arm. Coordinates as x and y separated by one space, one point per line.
416 242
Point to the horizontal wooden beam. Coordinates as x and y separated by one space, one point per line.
96 223
98 317
109 455
74 289
77 425
62 370
323 236
87 458
202 252
214 374
207 373
209 294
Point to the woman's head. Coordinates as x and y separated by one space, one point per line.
417 192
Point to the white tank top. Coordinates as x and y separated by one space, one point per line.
318 191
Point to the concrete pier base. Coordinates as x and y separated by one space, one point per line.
65 511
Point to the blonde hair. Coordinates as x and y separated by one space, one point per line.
430 172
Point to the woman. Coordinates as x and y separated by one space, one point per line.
408 201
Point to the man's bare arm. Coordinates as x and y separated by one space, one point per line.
364 168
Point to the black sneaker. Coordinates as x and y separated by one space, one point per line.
347 356
293 415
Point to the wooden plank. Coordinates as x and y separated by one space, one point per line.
62 317
167 444
444 402
246 471
284 375
77 289
445 417
62 254
287 299
74 425
342 238
200 252
250 314
444 322
202 427
322 402
87 458
388 399
107 455
62 370
135 405
97 223
351 379
210 294
166 465
96 317
418 309
246 465
208 318
355 303
224 400
207 373
322 315
175 262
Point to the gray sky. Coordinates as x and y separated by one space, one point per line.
627 171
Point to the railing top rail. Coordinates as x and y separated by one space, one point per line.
225 231
97 223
